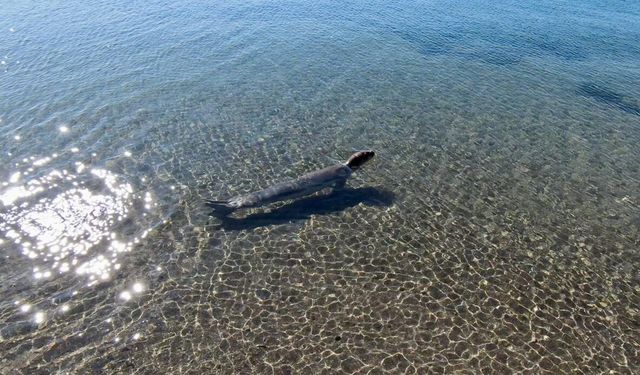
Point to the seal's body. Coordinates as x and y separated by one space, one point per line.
334 176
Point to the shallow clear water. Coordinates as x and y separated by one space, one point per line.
496 230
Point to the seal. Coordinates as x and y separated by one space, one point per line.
334 176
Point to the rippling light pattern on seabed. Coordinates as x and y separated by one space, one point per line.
58 218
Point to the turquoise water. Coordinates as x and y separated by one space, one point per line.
495 231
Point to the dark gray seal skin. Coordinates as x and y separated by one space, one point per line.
334 176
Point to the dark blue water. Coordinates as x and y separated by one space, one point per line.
495 231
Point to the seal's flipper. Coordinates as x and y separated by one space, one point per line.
220 208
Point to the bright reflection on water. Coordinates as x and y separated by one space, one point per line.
59 218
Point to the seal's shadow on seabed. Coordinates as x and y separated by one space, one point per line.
302 209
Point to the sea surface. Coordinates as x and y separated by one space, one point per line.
497 230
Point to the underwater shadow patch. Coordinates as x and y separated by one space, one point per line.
495 57
560 49
612 98
302 209
428 43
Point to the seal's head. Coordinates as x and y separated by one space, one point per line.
359 158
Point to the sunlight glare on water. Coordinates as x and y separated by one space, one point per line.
58 219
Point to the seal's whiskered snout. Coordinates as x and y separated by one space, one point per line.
359 158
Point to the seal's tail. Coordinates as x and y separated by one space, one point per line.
219 207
